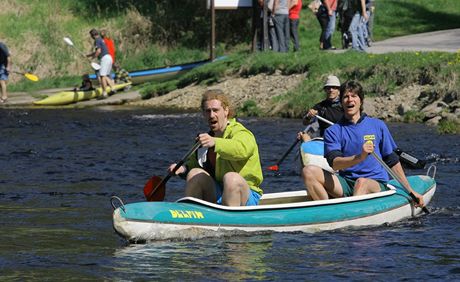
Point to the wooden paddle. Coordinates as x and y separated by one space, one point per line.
69 42
154 189
29 76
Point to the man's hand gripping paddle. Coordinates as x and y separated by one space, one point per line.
398 179
155 188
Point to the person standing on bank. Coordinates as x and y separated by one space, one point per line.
227 169
101 52
330 108
281 20
347 150
5 65
331 6
294 15
357 26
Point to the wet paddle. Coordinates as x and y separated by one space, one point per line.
69 42
398 179
29 76
154 189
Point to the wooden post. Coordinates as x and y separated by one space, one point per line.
265 27
255 24
213 32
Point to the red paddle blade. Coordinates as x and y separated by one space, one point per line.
273 168
153 192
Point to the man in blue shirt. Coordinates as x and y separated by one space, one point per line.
347 149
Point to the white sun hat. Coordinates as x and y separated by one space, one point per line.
332 80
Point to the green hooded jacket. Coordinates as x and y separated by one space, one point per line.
236 151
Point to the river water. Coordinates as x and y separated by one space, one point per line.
59 169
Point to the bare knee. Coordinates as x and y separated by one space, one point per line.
311 173
361 186
233 182
195 172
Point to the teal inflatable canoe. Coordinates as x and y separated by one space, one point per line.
277 212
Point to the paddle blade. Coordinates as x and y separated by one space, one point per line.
273 168
95 66
154 189
31 77
68 41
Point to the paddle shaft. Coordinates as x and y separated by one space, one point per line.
398 179
275 167
70 43
178 165
287 152
324 120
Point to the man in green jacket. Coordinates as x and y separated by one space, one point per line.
226 169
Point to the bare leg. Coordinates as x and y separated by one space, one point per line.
365 186
104 85
110 82
320 183
200 185
3 88
236 190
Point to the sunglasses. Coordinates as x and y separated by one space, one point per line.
331 87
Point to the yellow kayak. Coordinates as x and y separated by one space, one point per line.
68 97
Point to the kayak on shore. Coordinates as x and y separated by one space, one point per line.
72 96
158 74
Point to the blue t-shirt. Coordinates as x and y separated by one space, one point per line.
348 138
99 44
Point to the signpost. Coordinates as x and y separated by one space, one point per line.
231 4
214 5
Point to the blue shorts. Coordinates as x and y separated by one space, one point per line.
348 185
253 199
3 72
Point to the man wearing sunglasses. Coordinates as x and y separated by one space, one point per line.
330 108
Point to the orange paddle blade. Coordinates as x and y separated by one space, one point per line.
154 189
273 168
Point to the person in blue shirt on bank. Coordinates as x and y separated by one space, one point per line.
347 150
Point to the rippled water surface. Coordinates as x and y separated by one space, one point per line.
59 169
